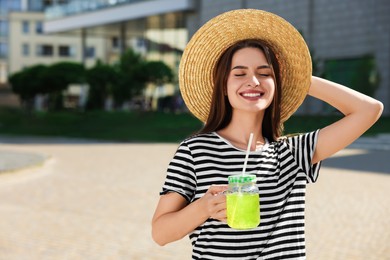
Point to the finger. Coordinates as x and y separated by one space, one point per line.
220 209
216 189
219 198
220 215
218 201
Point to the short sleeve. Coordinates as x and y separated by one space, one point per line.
181 174
303 147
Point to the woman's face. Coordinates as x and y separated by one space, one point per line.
250 84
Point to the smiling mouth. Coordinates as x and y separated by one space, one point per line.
252 95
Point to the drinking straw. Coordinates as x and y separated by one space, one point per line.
247 153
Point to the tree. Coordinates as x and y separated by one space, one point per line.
58 77
157 72
101 80
131 81
28 83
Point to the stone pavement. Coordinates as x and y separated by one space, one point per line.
95 200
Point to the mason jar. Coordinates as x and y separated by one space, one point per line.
242 202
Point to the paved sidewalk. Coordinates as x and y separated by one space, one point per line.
11 160
95 201
16 160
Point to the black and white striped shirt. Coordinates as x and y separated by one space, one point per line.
283 169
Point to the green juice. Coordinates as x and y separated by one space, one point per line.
243 210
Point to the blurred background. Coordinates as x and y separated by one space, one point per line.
63 60
89 92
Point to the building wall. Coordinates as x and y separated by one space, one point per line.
333 30
17 59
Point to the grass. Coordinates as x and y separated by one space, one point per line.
134 126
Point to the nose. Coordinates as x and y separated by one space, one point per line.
254 82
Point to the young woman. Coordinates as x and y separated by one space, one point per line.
256 84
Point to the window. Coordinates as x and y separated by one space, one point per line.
25 27
141 43
25 49
38 27
115 42
66 51
3 49
36 5
3 28
9 5
90 52
3 7
44 50
15 5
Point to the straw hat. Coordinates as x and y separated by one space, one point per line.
213 38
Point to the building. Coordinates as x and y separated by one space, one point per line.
30 46
157 29
23 42
6 7
7 98
341 34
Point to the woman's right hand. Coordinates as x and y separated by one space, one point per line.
214 201
174 218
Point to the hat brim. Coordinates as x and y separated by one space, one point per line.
218 34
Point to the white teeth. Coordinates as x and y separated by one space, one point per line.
251 94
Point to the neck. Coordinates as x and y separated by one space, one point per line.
241 126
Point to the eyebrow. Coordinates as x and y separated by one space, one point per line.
244 67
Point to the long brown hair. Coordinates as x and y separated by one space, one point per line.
220 113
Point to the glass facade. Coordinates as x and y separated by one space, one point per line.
165 37
62 8
160 37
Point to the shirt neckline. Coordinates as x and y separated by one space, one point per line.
264 147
